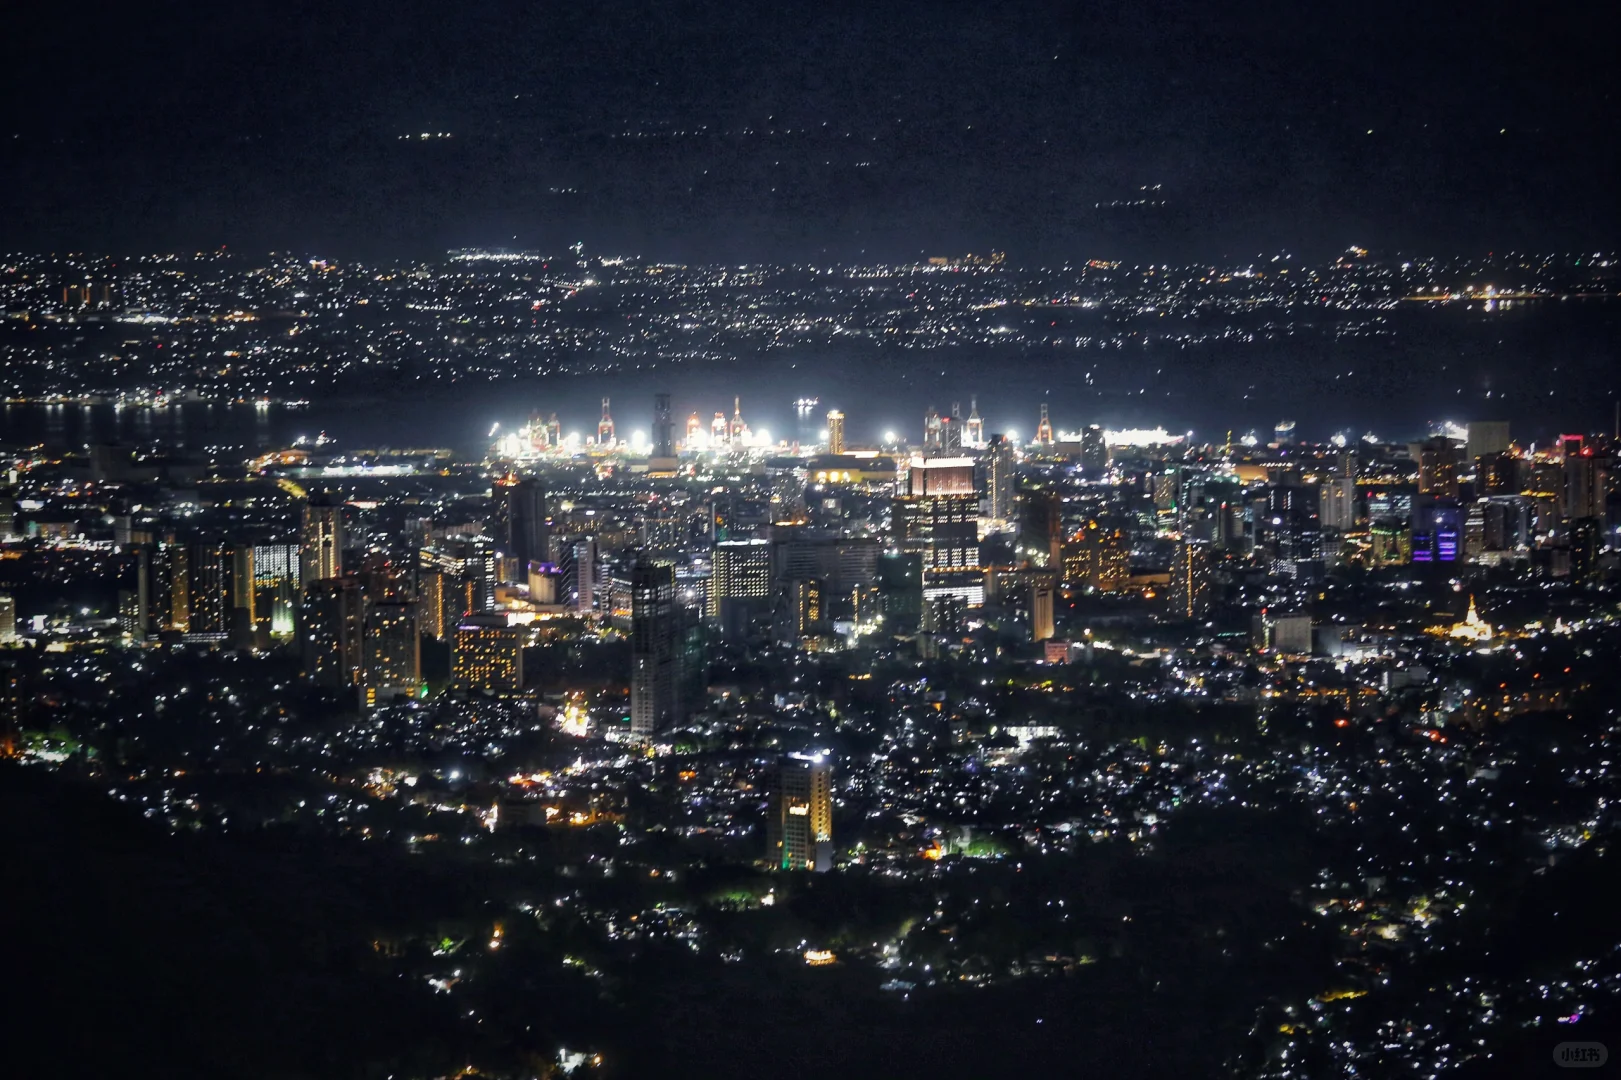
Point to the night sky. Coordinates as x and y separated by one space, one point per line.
804 131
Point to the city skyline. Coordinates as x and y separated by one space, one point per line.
616 540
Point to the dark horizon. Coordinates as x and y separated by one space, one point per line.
696 133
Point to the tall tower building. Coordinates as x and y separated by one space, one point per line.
486 654
605 426
1485 438
524 517
8 619
1438 461
738 427
1094 452
974 430
1044 429
218 587
663 427
742 571
936 515
276 588
321 554
799 830
1190 580
332 627
1000 478
835 432
1339 504
655 676
1096 557
1041 612
392 651
1586 480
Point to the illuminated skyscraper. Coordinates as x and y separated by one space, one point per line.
392 651
1486 437
1094 452
605 426
219 592
1000 478
1190 581
8 619
522 521
835 432
799 830
655 676
1096 557
332 626
1438 461
321 553
486 654
1339 504
1041 612
974 429
1586 480
742 571
738 428
663 427
276 589
936 515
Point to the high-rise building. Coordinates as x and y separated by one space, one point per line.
469 560
1586 484
605 426
1339 504
332 625
835 432
655 674
437 610
1041 527
8 619
1094 452
799 829
936 515
1097 558
523 515
321 550
663 428
1584 550
1041 612
1044 429
1190 581
487 654
801 610
742 571
1001 479
1437 532
900 591
219 592
1292 529
974 428
1438 462
276 589
578 567
1486 438
392 660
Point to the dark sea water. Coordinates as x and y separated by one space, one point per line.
1545 367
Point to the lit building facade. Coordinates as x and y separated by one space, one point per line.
799 829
